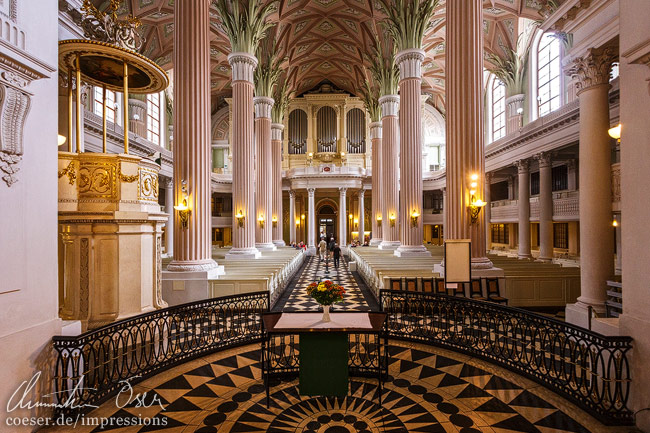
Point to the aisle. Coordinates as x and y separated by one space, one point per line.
296 298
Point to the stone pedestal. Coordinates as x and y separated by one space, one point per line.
110 232
591 74
376 192
276 167
192 166
465 127
410 123
390 180
243 198
263 174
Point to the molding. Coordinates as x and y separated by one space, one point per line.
243 66
389 105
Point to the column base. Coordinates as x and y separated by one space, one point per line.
279 243
389 245
243 254
375 242
270 246
544 259
311 251
524 256
188 286
192 265
412 251
578 313
481 263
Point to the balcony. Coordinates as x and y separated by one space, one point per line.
566 207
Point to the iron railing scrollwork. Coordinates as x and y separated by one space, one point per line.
589 369
91 367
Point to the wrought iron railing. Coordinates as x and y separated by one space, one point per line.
589 369
90 367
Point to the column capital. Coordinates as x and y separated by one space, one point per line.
571 164
263 106
410 63
166 182
276 131
375 130
292 194
389 105
488 177
343 191
311 192
243 65
361 193
522 166
593 68
544 159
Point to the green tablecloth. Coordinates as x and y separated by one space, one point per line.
324 363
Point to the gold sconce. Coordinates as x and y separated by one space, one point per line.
615 221
379 219
475 204
261 220
356 222
414 218
302 217
240 218
615 132
274 220
183 207
310 158
392 219
298 221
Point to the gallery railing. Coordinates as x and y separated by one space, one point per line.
589 369
93 366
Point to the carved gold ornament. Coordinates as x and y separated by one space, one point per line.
70 172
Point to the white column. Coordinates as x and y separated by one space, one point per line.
545 208
311 225
343 216
292 216
488 212
523 205
276 144
362 216
169 226
243 150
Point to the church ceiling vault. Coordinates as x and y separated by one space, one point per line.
328 39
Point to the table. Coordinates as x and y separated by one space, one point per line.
325 354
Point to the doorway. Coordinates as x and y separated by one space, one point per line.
326 222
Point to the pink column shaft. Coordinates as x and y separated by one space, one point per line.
390 179
276 149
192 247
376 196
263 173
464 133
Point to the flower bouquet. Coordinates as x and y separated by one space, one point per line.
326 293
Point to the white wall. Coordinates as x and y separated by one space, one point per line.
28 222
635 178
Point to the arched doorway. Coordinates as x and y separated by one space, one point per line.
326 219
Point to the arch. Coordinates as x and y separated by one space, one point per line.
326 129
433 138
355 123
546 83
326 218
297 131
221 124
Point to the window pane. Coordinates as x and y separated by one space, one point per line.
548 74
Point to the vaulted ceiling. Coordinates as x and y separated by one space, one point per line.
328 39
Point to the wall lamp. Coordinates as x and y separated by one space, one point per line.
240 218
475 204
274 220
62 140
379 219
310 158
298 221
615 132
615 221
183 207
356 222
260 219
414 218
391 219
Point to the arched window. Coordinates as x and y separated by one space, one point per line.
153 118
549 87
98 103
498 109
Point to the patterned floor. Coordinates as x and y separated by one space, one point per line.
317 270
430 390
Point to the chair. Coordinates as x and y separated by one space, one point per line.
428 285
440 286
493 293
395 284
411 284
476 291
459 290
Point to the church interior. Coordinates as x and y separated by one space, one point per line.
324 216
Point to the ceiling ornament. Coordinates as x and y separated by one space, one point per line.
106 27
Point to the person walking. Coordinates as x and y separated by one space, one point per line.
330 246
336 252
322 246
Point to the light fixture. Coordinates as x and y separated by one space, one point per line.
183 207
475 204
615 132
356 222
298 221
310 158
136 117
274 220
414 218
302 217
379 219
615 221
62 140
473 185
350 216
261 220
474 177
342 154
520 110
240 218
392 219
